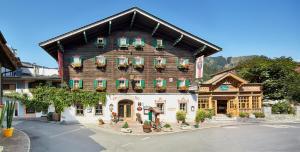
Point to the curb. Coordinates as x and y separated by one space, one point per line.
28 139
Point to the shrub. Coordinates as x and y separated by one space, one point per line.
181 116
49 116
230 114
259 115
244 115
283 108
167 125
147 123
210 113
125 125
200 116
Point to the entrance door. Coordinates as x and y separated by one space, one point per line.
221 106
125 109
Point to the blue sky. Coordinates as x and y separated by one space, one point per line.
240 27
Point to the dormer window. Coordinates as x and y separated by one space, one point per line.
139 43
100 61
76 62
100 42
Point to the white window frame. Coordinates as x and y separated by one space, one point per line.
76 83
181 83
76 59
138 41
100 59
100 83
159 42
162 108
138 61
122 61
138 83
123 41
183 106
159 82
122 83
96 109
76 108
100 40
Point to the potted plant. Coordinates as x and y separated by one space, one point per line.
2 114
200 117
147 126
167 128
8 132
125 128
181 116
101 122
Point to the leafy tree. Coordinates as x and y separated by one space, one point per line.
278 76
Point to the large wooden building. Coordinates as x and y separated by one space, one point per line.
226 93
141 61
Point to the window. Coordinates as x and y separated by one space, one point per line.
138 83
231 104
100 83
161 107
159 61
100 40
243 102
255 102
123 41
99 109
138 41
159 82
76 83
122 83
122 60
30 110
138 61
183 106
100 59
159 42
182 83
76 59
203 103
11 87
79 109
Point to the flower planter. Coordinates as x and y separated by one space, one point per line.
138 88
160 89
126 130
100 89
8 132
183 88
122 88
76 65
147 128
138 66
100 65
122 65
160 66
183 67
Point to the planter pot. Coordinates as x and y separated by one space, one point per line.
56 117
167 129
126 130
147 129
8 132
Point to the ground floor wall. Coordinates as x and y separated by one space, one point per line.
128 105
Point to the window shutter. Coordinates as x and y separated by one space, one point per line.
143 41
105 41
134 61
188 61
154 83
127 40
142 61
126 83
178 83
177 61
187 83
95 84
126 60
118 42
105 60
164 83
71 60
117 84
117 61
95 59
154 61
143 84
164 61
80 84
104 83
71 84
154 43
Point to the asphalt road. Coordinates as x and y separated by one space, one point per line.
47 137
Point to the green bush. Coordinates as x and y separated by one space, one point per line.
181 116
244 115
283 108
49 116
200 116
259 115
167 125
125 125
147 123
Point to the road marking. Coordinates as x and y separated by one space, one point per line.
145 138
230 127
280 126
125 145
67 132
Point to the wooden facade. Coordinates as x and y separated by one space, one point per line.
226 93
89 71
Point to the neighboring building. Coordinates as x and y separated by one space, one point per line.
27 77
8 60
227 93
140 60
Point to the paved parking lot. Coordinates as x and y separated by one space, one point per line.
47 137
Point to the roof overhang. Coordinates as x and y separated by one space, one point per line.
134 18
7 57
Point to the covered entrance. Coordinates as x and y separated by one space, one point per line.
125 109
221 106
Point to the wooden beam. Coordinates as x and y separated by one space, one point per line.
178 40
155 29
109 27
60 46
132 20
1 92
200 50
85 37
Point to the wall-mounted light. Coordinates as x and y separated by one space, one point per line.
192 108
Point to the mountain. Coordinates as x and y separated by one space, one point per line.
213 65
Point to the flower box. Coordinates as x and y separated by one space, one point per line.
183 66
160 88
183 88
160 66
76 65
122 88
138 88
100 64
100 89
125 65
138 66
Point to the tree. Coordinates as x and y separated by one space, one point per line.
278 76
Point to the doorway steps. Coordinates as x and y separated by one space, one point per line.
223 117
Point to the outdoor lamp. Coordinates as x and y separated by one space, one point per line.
192 108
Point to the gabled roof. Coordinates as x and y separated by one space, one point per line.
7 57
222 76
133 18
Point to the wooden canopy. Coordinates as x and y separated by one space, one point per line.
7 57
131 19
